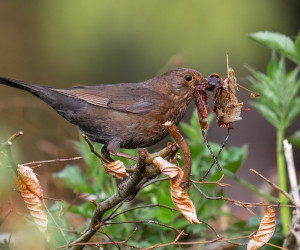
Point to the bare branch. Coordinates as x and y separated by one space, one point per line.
11 139
185 150
51 161
288 152
129 188
138 207
275 186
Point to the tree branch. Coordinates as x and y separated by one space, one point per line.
129 188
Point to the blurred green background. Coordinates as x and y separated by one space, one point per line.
64 43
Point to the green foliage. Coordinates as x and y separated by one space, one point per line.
279 102
280 43
95 182
74 179
295 139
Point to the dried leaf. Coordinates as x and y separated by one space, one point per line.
265 230
227 107
179 197
166 167
116 169
32 194
201 101
182 200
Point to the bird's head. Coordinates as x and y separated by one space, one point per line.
182 82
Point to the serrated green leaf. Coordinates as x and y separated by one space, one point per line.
267 113
293 112
295 139
279 42
74 179
272 66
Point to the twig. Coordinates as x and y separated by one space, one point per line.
292 240
185 151
56 224
50 161
219 183
80 245
142 222
6 146
287 195
183 243
238 203
130 188
212 229
288 152
130 236
154 181
249 186
138 207
11 139
223 145
93 149
210 150
103 231
179 235
110 215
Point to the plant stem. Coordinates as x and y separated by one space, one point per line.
250 186
282 178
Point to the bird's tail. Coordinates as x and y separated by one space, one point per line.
36 90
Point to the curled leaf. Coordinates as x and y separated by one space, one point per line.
180 198
32 194
265 230
227 107
166 167
116 169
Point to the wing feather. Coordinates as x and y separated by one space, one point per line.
129 98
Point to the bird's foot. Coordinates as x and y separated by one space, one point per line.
127 156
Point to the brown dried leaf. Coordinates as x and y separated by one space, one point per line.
166 167
180 198
201 101
265 230
227 107
32 194
116 169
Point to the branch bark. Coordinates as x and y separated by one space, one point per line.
126 191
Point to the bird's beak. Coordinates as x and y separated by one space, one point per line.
202 84
214 81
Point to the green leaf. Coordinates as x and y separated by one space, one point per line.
236 157
293 112
75 179
279 42
267 113
295 139
86 209
297 44
272 66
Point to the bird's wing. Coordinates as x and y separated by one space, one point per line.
129 98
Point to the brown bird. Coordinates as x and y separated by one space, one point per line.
124 115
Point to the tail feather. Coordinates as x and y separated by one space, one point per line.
31 88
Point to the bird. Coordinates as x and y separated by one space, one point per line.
122 115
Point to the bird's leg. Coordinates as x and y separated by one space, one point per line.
105 153
112 148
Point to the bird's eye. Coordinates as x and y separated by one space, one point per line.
188 78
